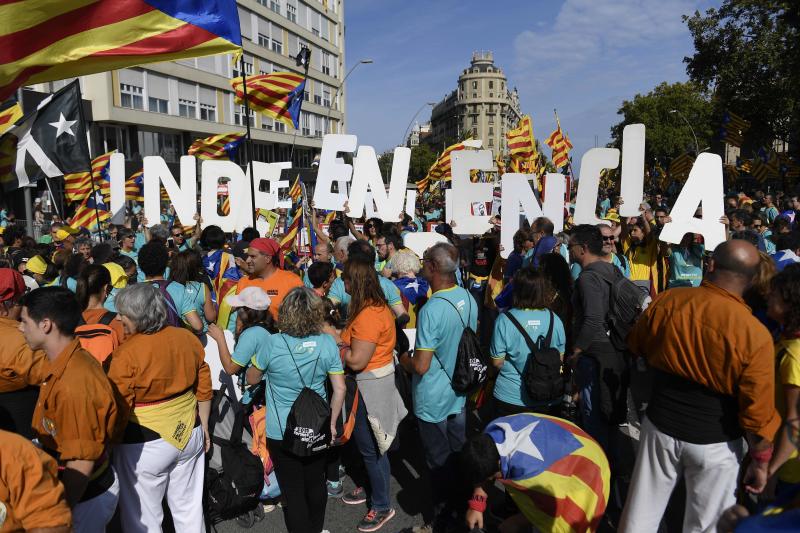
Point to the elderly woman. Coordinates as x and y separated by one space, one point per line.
300 356
368 349
405 265
163 389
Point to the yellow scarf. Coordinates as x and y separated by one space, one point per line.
173 419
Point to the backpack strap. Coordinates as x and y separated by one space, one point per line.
549 337
464 326
107 318
531 345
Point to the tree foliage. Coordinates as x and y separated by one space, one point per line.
668 134
747 53
422 157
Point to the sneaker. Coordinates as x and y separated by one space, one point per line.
356 496
374 520
335 489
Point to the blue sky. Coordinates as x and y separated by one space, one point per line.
583 57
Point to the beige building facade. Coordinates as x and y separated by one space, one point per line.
482 106
161 108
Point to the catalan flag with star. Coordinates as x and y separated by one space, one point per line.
296 193
44 40
278 95
10 113
555 472
560 144
91 211
222 146
77 186
522 145
733 129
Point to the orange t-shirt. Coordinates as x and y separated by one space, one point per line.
30 491
374 324
277 286
93 316
19 365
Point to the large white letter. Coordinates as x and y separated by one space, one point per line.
271 173
183 197
367 176
517 193
592 163
116 174
632 178
238 193
465 193
333 169
703 188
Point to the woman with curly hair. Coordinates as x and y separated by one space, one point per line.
783 306
300 356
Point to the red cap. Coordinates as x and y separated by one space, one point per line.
12 286
267 247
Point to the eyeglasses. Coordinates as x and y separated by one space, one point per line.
177 235
612 238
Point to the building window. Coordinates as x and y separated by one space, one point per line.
166 145
263 2
248 68
277 46
491 131
474 95
326 96
305 124
263 40
474 133
491 141
131 96
291 13
187 108
474 119
114 138
157 105
239 113
208 112
318 99
275 5
491 119
491 84
280 126
266 123
474 85
315 31
326 63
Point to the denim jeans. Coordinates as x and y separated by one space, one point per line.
376 464
590 413
442 441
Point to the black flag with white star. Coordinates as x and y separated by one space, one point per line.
46 143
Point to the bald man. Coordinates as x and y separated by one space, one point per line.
714 387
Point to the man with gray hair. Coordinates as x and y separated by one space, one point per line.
340 251
440 410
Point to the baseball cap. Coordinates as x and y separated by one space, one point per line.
612 217
240 249
118 278
63 232
19 257
250 297
12 286
37 265
267 246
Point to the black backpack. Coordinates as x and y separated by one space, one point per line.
173 316
308 426
236 489
626 303
472 364
541 376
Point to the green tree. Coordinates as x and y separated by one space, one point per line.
668 135
422 157
747 53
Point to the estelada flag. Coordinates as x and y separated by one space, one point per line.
10 113
48 142
278 95
44 40
555 472
223 146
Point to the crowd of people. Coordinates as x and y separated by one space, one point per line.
109 345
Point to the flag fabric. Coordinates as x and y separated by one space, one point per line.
295 192
10 113
733 129
47 40
556 473
86 215
217 146
560 145
134 187
764 165
680 167
77 186
522 147
278 95
423 184
50 140
226 205
441 169
501 164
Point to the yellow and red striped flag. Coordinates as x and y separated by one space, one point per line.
78 186
90 212
221 146
423 184
521 143
278 95
10 113
44 40
680 167
559 143
733 129
295 192
134 187
442 168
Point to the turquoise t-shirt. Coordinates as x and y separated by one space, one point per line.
509 344
605 205
281 375
72 283
251 345
139 240
195 296
575 269
109 303
178 293
439 329
390 291
686 266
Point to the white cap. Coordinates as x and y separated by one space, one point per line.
250 297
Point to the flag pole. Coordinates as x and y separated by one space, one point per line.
91 173
249 144
303 55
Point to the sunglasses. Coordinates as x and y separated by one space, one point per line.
609 238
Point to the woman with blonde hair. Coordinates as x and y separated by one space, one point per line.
405 265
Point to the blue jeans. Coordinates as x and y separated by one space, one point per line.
442 441
376 464
592 419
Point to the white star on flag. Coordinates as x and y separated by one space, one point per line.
518 441
414 285
63 126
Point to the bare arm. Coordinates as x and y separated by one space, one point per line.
321 237
419 364
358 235
228 364
209 309
337 381
204 412
785 446
253 375
194 322
358 355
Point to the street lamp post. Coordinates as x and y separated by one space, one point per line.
405 135
696 144
365 61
